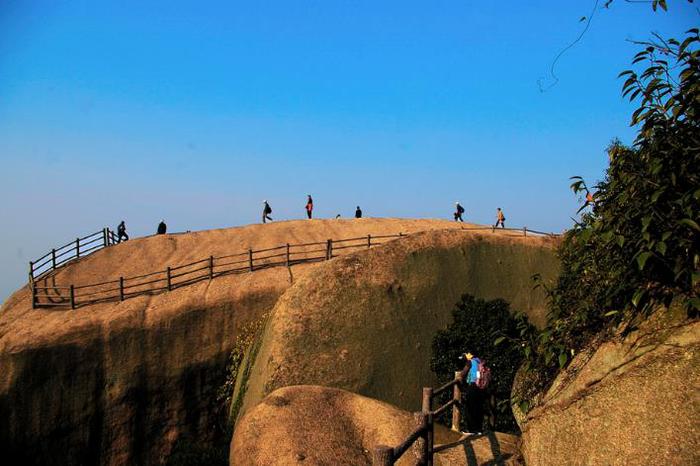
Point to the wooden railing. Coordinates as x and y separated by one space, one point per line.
81 247
424 434
46 293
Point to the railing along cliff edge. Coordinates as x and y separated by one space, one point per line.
423 435
50 294
45 294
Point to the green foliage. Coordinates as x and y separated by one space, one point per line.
248 342
637 244
476 325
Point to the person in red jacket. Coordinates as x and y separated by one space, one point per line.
309 206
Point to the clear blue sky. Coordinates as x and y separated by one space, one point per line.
196 111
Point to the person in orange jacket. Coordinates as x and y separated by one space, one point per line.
500 219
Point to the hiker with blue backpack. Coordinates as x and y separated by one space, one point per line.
475 378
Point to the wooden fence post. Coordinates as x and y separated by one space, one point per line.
524 231
170 284
53 258
77 248
422 421
456 408
369 241
428 438
72 297
104 237
288 258
250 259
211 267
329 249
430 434
427 399
121 288
31 284
382 456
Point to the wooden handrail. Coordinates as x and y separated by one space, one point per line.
383 455
449 384
80 247
253 261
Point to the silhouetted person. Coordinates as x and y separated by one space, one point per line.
121 232
267 210
162 228
358 212
474 396
500 219
309 206
459 210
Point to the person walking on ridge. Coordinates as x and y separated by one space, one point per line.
121 232
162 228
309 206
267 210
358 212
459 210
474 395
500 219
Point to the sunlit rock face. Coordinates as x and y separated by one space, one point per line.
630 401
308 424
123 382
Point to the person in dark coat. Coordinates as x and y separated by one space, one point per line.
267 210
459 210
358 212
121 232
162 228
309 206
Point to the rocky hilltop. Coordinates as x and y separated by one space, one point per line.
122 382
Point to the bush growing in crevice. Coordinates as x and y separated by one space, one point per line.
245 349
476 324
637 244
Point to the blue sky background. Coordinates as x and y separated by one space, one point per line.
196 111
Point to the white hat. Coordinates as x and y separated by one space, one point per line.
264 200
457 202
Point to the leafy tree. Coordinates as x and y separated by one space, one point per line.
475 324
637 244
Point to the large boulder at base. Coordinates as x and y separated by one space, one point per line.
630 401
313 425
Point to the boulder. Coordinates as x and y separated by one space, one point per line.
313 425
632 400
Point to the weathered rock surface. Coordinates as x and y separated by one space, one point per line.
365 322
631 401
314 425
120 383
